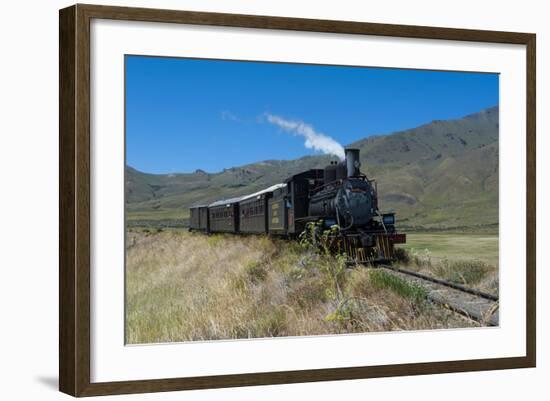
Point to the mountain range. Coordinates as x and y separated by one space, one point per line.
440 175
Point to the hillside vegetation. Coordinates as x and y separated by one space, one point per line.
437 176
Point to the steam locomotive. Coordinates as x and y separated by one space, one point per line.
338 200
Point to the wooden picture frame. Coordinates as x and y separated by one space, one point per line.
74 199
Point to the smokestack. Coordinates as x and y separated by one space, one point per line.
352 162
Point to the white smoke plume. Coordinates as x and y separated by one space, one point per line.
313 139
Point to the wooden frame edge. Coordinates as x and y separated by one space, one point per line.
67 265
74 204
300 376
531 201
74 199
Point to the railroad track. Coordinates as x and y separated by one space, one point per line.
476 305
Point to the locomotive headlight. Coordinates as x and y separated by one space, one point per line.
388 219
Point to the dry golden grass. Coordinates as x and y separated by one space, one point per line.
182 287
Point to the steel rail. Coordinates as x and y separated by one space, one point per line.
446 283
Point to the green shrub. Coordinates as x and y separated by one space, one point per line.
402 255
383 280
342 315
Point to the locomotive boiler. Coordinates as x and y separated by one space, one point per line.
347 197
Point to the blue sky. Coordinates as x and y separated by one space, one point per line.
188 114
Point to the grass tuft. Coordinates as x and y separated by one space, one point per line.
273 323
467 272
255 271
411 291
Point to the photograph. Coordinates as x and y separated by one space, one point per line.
268 199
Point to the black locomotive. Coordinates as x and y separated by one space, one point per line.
338 199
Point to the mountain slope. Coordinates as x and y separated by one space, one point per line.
439 175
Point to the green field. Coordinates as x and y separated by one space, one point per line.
455 246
